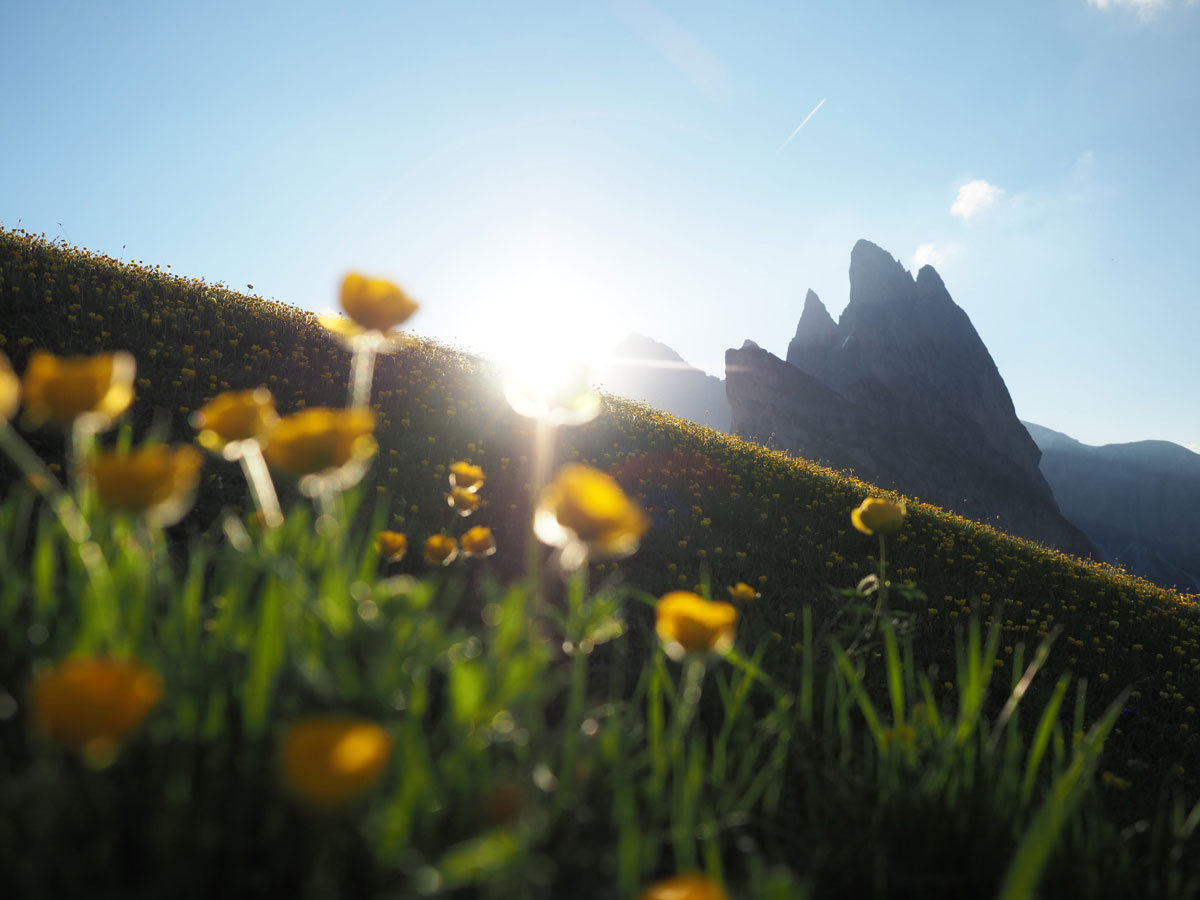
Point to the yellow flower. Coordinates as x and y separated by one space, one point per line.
10 390
90 703
158 481
462 501
693 886
328 761
585 512
743 592
375 304
235 416
478 541
392 545
687 623
877 516
466 476
333 444
441 549
66 388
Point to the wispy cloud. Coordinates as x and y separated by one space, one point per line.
678 45
802 124
1144 8
973 198
928 255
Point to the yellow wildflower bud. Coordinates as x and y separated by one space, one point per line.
478 541
441 550
90 703
466 476
374 303
392 545
158 481
743 593
692 886
235 416
876 516
324 442
462 501
329 761
64 389
687 623
10 390
585 512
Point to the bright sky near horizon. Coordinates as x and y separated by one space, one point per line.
559 173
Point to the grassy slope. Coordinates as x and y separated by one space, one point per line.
723 510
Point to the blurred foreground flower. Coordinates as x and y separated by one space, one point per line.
876 516
95 389
158 482
235 424
478 541
327 449
462 501
90 703
328 761
441 550
374 307
585 513
10 390
374 303
687 623
743 593
229 419
466 477
392 545
693 886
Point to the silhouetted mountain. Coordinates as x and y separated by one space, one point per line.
643 369
1139 502
903 391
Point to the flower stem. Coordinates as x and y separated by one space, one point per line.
543 455
881 603
262 488
362 371
41 479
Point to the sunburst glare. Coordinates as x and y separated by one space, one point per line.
550 338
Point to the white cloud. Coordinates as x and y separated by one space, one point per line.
934 254
928 255
973 198
1144 8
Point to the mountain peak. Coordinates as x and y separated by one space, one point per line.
815 332
638 346
878 277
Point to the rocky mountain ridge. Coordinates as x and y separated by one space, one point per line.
902 390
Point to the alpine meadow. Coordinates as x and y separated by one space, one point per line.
312 607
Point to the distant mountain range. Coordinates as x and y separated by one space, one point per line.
644 369
1139 503
902 390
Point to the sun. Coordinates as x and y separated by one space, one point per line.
550 331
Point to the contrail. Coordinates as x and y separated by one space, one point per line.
801 125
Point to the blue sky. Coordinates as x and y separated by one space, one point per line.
540 173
